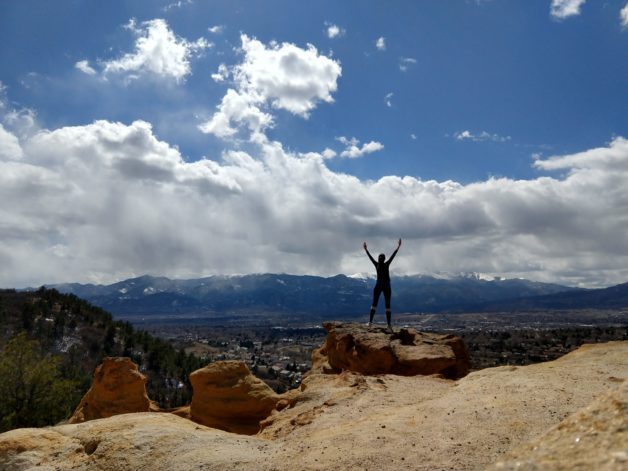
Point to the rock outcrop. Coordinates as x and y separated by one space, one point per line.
228 397
118 387
352 421
130 442
405 352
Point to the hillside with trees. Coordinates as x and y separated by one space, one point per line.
50 344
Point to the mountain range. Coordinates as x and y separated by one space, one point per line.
613 297
340 295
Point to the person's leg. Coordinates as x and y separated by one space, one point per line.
387 296
376 292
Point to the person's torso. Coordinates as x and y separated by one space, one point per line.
383 275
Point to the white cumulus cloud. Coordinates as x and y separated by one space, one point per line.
329 153
10 148
278 76
561 9
380 44
84 67
405 63
222 74
178 4
467 135
236 110
623 16
157 51
353 149
291 78
388 99
611 158
333 31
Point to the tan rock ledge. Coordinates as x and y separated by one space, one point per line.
406 352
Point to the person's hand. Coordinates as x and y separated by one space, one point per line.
364 245
399 243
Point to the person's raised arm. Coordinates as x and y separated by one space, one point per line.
369 254
394 253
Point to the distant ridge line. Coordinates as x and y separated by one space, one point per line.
313 297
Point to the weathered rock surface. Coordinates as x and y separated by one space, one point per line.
406 352
118 387
595 437
228 397
346 421
129 442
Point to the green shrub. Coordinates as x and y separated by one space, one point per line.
33 392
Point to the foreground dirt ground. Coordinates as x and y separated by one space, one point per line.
347 421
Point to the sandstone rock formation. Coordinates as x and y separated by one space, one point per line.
595 437
351 421
406 352
129 442
118 387
228 397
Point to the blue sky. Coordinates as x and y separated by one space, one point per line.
427 120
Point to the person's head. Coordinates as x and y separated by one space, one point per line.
381 258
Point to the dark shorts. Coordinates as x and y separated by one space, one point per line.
378 290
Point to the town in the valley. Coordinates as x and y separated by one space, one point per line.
281 354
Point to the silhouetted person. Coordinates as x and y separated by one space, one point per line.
383 282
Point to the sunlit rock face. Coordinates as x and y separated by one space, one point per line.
406 352
118 387
228 397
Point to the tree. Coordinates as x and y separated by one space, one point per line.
110 340
28 316
32 391
3 311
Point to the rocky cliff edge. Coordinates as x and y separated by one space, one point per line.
354 421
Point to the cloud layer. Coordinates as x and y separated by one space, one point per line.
109 200
106 200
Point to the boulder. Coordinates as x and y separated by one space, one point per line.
228 397
118 387
406 352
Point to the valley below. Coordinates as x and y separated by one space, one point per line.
533 373
280 352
